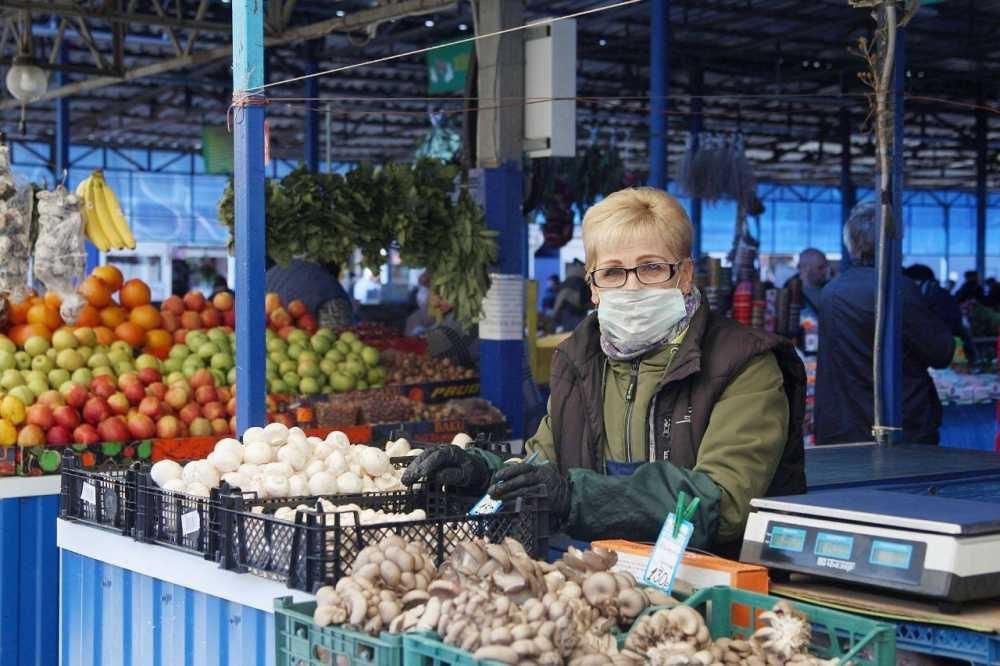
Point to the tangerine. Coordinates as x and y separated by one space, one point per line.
134 293
146 316
44 315
89 316
159 339
95 292
131 333
112 315
109 275
19 312
20 334
52 300
105 336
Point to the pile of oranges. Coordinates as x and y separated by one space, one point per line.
114 308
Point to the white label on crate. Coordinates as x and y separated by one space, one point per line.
88 493
190 522
503 309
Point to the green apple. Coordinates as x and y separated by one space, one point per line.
375 376
11 378
39 386
124 367
308 357
82 376
342 348
361 385
298 337
36 345
176 376
356 369
334 356
195 339
6 344
357 346
231 377
320 343
22 359
122 345
180 352
35 376
309 386
85 352
64 339
58 376
189 370
341 382
278 357
147 361
292 380
219 376
370 356
51 354
172 365
276 344
7 361
24 394
103 370
222 361
278 387
294 351
98 360
327 367
207 350
117 356
308 369
42 364
348 337
287 366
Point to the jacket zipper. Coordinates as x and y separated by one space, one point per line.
633 382
651 443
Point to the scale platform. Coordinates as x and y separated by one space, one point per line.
934 546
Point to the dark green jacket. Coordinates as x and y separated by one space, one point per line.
722 421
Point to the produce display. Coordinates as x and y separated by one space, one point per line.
473 411
60 258
408 368
277 461
322 363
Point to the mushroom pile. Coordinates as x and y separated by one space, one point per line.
277 461
366 516
679 637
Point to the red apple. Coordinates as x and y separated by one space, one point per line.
96 410
285 331
168 427
223 301
189 413
201 377
66 416
205 394
135 393
119 404
127 379
194 300
74 394
271 302
103 386
180 335
113 430
150 406
224 393
210 317
51 399
59 436
280 318
141 426
297 308
220 427
200 427
229 318
308 324
149 376
177 397
31 435
158 389
40 415
172 304
86 434
213 410
231 407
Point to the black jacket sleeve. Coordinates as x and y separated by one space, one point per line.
925 336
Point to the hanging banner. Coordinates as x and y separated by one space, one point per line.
503 309
447 68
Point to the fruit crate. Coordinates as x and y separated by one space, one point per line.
309 553
835 634
104 498
299 642
973 647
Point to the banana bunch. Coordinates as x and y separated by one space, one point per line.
104 222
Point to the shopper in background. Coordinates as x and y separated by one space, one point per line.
652 395
844 388
317 286
970 290
573 299
814 273
422 319
549 296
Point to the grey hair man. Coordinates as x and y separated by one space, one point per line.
844 388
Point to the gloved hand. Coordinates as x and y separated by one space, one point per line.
449 466
524 480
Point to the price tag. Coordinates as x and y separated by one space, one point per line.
667 554
88 493
190 522
486 505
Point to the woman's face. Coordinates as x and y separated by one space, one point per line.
633 252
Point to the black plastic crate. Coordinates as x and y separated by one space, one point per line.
310 553
102 497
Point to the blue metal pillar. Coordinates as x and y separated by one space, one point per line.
892 340
848 193
981 157
310 134
248 166
697 86
659 76
502 360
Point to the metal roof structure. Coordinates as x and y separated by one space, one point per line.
153 73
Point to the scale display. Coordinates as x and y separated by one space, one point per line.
834 545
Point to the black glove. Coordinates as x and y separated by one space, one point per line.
524 480
449 466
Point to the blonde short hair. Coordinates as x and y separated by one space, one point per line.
633 213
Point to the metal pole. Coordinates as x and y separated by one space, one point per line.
848 194
659 76
981 192
310 134
697 85
329 144
248 163
892 339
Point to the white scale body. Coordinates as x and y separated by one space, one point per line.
944 548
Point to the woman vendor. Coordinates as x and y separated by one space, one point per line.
652 395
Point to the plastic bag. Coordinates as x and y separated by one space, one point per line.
15 231
60 258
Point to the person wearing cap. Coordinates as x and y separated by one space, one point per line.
652 395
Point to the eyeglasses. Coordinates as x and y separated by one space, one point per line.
648 274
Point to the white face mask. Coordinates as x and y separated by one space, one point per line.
635 319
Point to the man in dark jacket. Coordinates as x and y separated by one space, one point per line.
844 389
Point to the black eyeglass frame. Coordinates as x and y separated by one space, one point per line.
674 269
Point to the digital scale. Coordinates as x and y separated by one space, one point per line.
926 545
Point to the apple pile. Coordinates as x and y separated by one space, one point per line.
194 312
283 320
322 363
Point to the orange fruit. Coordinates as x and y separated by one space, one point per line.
110 276
134 293
20 334
146 316
52 300
112 315
131 333
105 336
19 312
89 316
158 339
44 315
95 292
